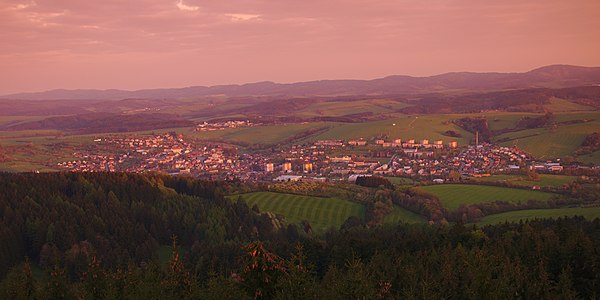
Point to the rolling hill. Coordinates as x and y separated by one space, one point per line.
555 76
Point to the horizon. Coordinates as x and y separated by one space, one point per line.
283 83
166 43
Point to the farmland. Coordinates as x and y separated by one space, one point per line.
421 127
266 135
592 158
546 180
453 195
401 180
516 216
399 214
321 213
334 108
558 141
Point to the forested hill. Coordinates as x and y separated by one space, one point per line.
59 217
96 236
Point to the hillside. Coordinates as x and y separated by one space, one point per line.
101 236
555 76
105 122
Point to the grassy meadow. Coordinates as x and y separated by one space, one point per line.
336 108
559 141
321 213
546 180
429 127
399 214
453 195
266 135
519 215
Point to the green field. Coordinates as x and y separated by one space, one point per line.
429 127
516 216
453 195
321 213
562 105
335 108
560 141
505 121
267 135
24 166
592 158
14 120
545 179
399 214
401 180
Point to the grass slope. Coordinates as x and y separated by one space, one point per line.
562 105
516 216
545 179
453 195
334 108
267 135
555 142
399 214
592 158
429 127
321 213
401 180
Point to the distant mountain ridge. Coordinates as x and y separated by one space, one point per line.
554 76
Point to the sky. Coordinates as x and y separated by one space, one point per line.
137 44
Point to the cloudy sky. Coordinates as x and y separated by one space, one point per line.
135 44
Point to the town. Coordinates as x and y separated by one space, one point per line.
206 126
321 160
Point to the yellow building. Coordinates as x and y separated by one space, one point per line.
307 167
287 166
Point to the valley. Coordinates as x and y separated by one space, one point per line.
439 143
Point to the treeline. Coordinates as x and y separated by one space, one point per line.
101 122
96 236
474 125
429 206
542 259
590 144
62 218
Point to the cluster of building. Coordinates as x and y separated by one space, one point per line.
397 143
165 153
437 144
320 160
471 160
205 126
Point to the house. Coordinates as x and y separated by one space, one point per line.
352 178
270 167
318 179
410 152
359 142
287 166
307 167
554 167
331 143
288 178
343 159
